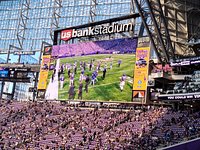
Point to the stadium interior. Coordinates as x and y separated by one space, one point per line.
100 74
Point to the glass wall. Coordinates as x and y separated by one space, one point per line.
39 18
9 11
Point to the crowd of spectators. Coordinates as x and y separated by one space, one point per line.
54 125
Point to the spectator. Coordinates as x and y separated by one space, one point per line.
50 125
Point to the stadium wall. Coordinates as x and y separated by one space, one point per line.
189 145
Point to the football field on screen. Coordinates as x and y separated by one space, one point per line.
107 89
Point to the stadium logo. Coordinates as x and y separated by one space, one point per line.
66 34
98 30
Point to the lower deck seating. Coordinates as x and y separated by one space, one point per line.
48 125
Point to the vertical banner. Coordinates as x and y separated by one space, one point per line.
141 74
44 69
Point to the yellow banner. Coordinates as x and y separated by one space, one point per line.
141 68
44 70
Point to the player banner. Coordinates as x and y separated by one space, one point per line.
141 72
44 70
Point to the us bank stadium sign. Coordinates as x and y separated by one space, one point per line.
98 30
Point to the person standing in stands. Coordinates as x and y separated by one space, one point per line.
62 81
104 73
80 90
71 92
87 81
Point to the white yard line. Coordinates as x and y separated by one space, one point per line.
52 89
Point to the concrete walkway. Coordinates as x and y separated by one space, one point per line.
52 89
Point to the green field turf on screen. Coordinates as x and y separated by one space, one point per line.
107 89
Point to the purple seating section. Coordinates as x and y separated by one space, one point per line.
28 125
122 46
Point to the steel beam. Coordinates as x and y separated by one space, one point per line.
23 17
157 29
93 4
167 35
143 13
55 17
154 22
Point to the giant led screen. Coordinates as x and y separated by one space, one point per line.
97 71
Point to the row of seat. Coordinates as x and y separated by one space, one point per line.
50 125
189 85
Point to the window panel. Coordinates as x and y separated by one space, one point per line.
73 12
